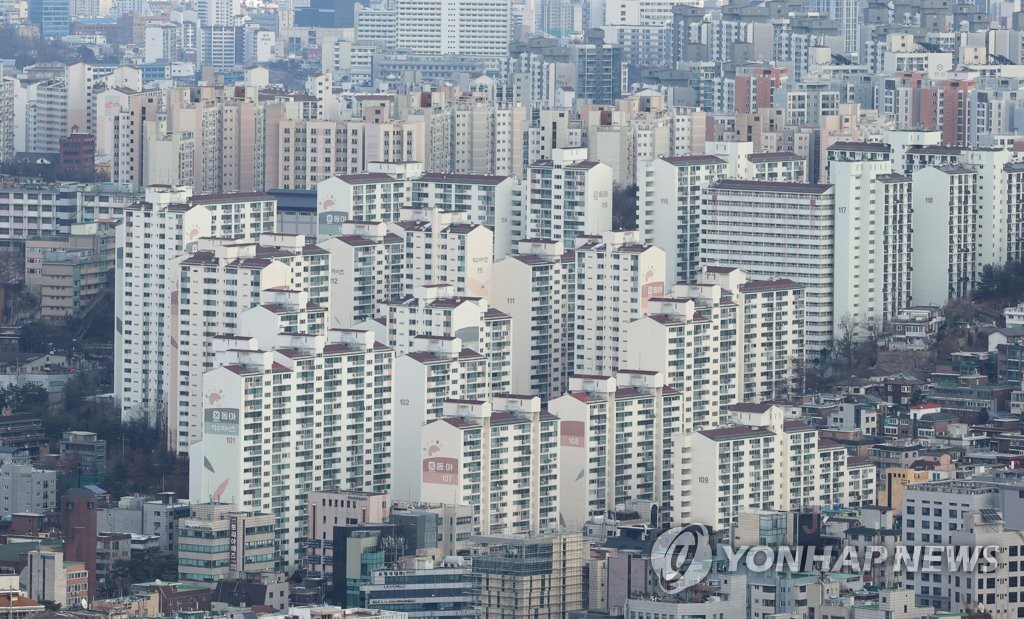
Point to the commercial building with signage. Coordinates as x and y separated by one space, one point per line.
217 542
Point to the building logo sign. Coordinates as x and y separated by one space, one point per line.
222 421
439 470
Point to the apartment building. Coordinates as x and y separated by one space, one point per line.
367 197
873 237
616 278
367 265
741 218
537 293
69 271
669 209
481 28
435 370
210 291
42 210
228 125
445 247
567 196
165 227
501 456
303 152
617 436
26 489
945 254
492 201
217 542
723 339
765 462
271 380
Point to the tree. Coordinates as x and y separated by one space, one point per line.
960 310
30 398
844 343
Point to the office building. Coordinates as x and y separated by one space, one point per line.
52 17
217 542
532 575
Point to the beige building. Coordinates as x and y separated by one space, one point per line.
218 542
68 272
538 576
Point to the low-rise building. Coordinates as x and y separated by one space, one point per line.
24 488
218 542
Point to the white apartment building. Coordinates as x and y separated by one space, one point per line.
7 127
501 456
367 263
781 167
436 311
1015 211
491 201
669 208
166 157
357 197
945 253
994 211
537 285
153 234
46 109
42 209
740 219
723 339
617 443
437 369
567 196
167 225
873 240
765 462
332 392
443 247
210 292
616 278
464 27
